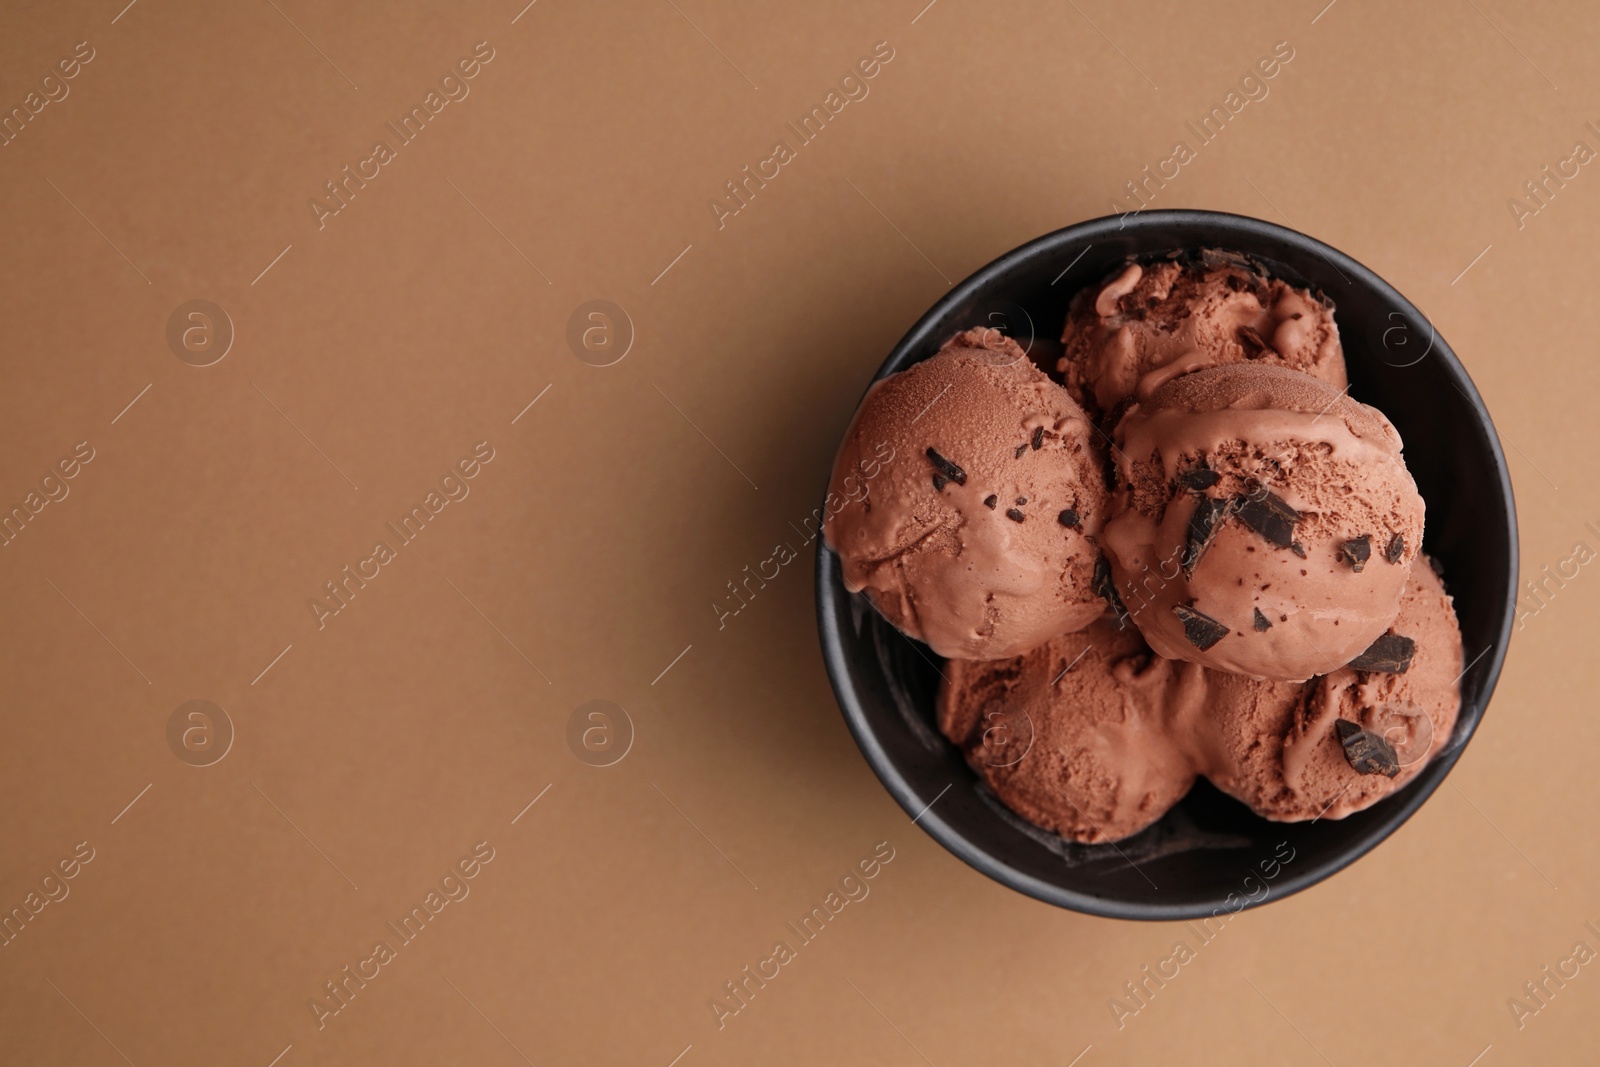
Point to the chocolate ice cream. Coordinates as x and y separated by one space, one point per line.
1155 321
978 538
1076 735
1343 742
1248 602
1264 522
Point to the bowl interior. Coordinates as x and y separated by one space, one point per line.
1210 854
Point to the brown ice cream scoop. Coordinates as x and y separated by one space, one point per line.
1341 743
965 501
1154 321
1076 735
1264 523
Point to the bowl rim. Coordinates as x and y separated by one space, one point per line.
923 810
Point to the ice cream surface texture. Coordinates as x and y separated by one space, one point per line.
972 496
1095 737
1157 320
1264 523
1341 743
1076 736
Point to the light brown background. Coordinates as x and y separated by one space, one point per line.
376 751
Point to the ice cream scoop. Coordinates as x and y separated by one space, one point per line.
977 533
1154 321
1076 735
1264 523
1342 742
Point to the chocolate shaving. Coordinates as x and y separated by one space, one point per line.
1262 622
1213 258
1201 629
1204 523
1268 515
1254 346
946 468
990 501
1367 752
1356 552
1108 424
1389 654
1023 447
1106 587
1038 438
1014 515
1199 478
1021 500
939 482
1395 549
1298 549
1069 518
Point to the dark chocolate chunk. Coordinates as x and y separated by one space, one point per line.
1021 500
1105 586
946 468
1213 258
939 482
1356 552
1367 752
1108 424
1199 478
1014 515
1068 517
1207 519
990 501
1389 654
1268 515
1254 346
1262 622
1023 447
1038 438
1201 629
1395 549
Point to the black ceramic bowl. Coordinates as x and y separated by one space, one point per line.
1210 855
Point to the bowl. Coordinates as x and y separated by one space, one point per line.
1210 856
